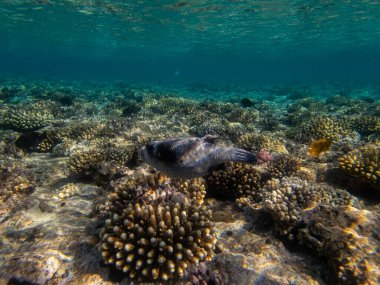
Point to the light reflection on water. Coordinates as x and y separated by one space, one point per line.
180 27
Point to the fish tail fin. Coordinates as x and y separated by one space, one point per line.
241 155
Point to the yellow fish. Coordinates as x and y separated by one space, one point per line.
319 146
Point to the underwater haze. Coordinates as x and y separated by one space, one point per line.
220 41
190 142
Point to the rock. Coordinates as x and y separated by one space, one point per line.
249 258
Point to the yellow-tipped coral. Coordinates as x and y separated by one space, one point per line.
152 233
235 180
363 163
324 127
26 120
347 238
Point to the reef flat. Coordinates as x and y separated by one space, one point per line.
78 206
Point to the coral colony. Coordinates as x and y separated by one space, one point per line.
102 210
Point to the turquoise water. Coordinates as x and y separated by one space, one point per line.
276 103
221 41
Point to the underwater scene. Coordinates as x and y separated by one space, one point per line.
189 142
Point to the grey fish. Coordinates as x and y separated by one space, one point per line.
191 157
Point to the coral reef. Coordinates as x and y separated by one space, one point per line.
15 183
363 163
303 110
87 161
285 220
367 125
100 160
246 102
202 275
242 115
235 180
285 199
283 166
156 236
256 142
288 198
270 123
347 238
8 145
324 127
67 191
337 101
215 127
169 105
26 120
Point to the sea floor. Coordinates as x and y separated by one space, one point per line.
308 214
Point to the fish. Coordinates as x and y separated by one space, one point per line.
319 146
191 157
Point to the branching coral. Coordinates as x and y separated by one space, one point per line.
338 101
15 184
303 110
235 180
367 125
285 199
330 128
169 105
212 126
363 163
311 104
86 161
68 190
99 160
283 166
154 233
26 120
288 198
8 146
8 92
242 115
256 142
347 238
61 140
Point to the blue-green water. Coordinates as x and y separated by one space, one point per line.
221 41
276 103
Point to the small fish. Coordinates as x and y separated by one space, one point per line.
191 157
319 146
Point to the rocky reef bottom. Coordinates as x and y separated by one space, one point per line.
78 206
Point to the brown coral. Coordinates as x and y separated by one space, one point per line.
101 163
152 234
363 163
26 120
15 184
283 166
347 238
367 125
235 180
324 127
288 198
256 142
